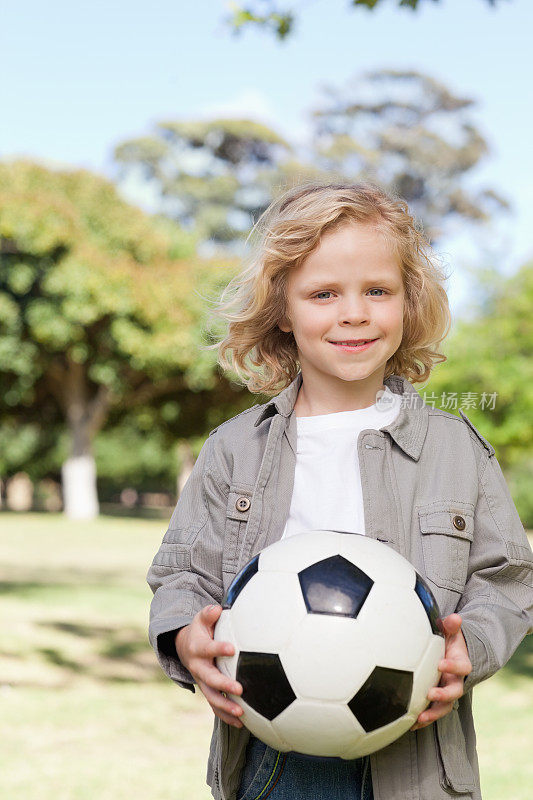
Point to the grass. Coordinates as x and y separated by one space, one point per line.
86 711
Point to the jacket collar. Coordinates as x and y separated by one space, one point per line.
408 430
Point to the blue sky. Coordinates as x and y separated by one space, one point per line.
78 78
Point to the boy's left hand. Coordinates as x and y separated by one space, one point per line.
455 666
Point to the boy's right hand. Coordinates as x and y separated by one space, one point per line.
197 650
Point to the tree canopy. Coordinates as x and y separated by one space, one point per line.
280 21
489 354
211 176
415 137
102 310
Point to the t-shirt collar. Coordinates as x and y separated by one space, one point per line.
408 430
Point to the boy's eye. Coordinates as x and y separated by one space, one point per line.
326 294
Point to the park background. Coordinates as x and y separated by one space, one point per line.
137 147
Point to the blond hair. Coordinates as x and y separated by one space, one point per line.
265 358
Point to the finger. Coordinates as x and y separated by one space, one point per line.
210 649
448 677
209 615
221 702
452 624
216 679
229 719
223 708
436 711
430 715
459 666
446 694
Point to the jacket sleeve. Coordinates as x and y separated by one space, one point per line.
497 603
186 572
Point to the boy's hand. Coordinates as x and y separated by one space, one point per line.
197 650
455 666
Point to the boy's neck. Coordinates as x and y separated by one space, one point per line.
332 402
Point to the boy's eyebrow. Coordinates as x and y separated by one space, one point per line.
374 279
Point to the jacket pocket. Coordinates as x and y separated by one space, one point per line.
455 771
447 529
238 510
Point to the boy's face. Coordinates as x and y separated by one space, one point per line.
349 288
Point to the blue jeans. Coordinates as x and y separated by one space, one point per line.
270 774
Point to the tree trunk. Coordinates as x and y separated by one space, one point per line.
80 496
84 418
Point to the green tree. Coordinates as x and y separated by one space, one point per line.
490 372
280 21
102 311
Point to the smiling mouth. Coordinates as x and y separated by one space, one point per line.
355 343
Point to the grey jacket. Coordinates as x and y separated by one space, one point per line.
417 474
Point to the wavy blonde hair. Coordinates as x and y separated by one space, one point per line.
265 358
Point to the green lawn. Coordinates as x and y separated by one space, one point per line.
86 711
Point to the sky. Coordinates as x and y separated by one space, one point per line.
79 78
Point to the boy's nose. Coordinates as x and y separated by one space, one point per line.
353 313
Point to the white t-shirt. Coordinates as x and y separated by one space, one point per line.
327 492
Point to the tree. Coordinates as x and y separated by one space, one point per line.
414 137
489 367
280 22
216 177
210 176
489 372
100 313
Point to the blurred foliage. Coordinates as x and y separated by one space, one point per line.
212 176
281 21
489 352
414 137
519 481
102 310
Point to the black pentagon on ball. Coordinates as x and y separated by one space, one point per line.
240 581
430 605
334 586
383 698
265 687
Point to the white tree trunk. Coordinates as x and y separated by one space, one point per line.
84 416
80 497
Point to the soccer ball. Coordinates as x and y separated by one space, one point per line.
337 643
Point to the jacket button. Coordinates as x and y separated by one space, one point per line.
242 504
459 523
